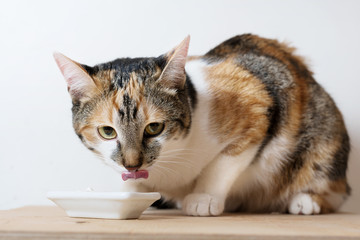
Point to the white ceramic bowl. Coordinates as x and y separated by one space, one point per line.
111 205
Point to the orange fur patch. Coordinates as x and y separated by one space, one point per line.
89 132
239 106
325 206
103 79
339 186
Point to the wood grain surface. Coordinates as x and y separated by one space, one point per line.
52 223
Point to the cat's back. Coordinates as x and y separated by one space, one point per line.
263 81
254 81
250 76
266 60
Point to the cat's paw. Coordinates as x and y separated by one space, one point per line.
302 203
202 204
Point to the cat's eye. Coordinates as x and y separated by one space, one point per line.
107 132
153 129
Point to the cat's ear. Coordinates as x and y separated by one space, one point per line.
173 75
80 85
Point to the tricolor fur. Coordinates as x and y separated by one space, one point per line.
246 127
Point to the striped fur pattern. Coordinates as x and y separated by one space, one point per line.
246 127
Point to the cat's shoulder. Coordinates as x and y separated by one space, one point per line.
249 43
259 55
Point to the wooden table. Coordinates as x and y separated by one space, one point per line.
52 223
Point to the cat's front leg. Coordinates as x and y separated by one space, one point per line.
215 182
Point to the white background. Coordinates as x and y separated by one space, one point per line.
38 148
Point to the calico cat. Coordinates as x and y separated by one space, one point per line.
244 127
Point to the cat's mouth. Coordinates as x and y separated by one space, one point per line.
135 174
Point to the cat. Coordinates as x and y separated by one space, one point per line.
244 127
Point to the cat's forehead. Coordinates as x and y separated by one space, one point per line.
128 84
126 107
122 71
129 103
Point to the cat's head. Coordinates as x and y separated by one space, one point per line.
127 109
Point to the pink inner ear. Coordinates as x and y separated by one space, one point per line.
78 81
174 72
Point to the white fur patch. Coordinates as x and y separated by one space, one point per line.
195 70
106 148
302 203
202 204
218 178
270 162
275 153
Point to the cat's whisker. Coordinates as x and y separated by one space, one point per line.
173 158
157 171
186 164
169 158
184 151
179 150
184 156
169 170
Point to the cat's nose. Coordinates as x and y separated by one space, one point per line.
132 160
131 169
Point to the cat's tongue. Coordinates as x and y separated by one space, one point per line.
135 174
